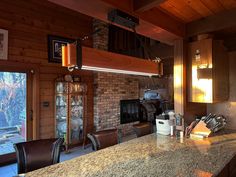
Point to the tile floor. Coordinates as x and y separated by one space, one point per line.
11 170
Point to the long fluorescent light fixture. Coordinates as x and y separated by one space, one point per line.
91 68
86 58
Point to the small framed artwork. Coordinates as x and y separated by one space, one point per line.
3 44
54 47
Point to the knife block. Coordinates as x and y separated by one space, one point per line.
200 131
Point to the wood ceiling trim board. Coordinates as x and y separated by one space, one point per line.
143 5
214 5
205 5
126 5
191 10
199 7
222 5
184 9
171 15
228 4
169 9
219 21
181 10
192 13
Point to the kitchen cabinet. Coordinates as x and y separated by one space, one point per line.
70 100
229 170
208 71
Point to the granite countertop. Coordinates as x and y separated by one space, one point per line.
151 155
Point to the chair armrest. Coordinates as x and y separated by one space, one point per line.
94 141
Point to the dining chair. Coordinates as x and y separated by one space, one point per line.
143 128
37 154
103 138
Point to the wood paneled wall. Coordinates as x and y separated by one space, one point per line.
28 23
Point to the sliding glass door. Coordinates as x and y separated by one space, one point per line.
13 111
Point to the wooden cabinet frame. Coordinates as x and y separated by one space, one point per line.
68 94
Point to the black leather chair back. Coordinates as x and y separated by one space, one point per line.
37 154
142 129
103 138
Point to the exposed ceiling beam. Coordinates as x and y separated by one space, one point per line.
144 5
164 21
117 63
154 16
125 5
212 23
157 26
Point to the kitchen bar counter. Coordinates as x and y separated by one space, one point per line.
151 155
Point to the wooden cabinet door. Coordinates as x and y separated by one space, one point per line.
200 56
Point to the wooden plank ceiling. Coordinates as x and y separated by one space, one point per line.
191 10
163 20
153 26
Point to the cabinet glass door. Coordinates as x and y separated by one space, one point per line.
61 109
77 112
76 118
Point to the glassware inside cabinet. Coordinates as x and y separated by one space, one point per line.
61 115
61 87
77 88
76 119
61 100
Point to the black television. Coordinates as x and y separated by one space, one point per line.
129 111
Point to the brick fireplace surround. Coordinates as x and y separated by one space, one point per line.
110 88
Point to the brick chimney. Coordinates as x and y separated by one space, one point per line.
110 88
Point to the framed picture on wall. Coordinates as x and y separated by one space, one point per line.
54 47
3 44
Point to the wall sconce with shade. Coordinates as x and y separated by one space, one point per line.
74 56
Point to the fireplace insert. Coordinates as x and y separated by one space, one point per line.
129 111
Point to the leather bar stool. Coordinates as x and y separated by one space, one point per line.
37 154
142 129
103 138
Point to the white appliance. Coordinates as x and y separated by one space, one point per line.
162 125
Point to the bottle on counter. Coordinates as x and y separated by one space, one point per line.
172 130
172 122
179 122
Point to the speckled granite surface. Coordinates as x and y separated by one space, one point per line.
151 155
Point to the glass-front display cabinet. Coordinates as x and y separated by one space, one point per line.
70 99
